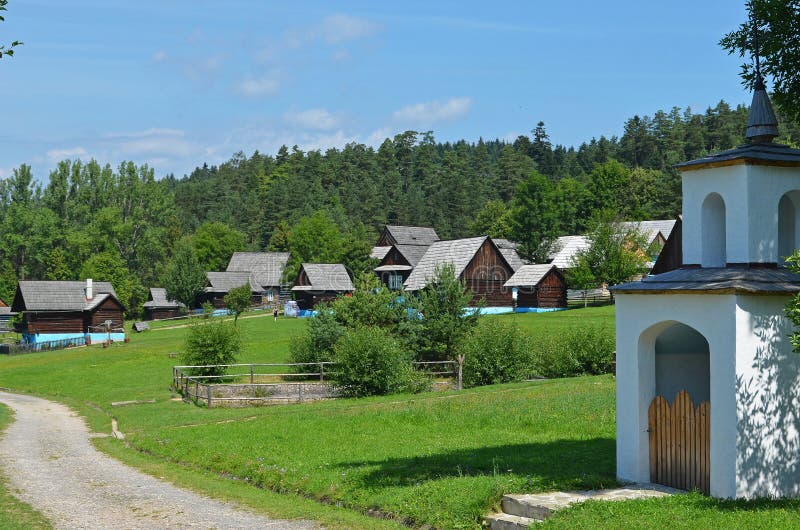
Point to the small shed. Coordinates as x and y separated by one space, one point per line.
477 261
68 311
321 282
539 286
5 317
219 283
267 272
159 306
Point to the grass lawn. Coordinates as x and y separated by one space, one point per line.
15 514
438 459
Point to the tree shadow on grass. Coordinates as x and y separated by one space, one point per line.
555 465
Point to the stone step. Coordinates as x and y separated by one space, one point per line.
523 506
505 521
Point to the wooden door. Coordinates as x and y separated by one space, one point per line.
679 443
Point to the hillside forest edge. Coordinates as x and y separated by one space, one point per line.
124 225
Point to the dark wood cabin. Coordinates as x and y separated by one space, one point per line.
160 307
478 262
267 270
66 307
539 286
321 282
399 249
219 283
671 256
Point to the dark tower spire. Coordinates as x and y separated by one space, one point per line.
762 125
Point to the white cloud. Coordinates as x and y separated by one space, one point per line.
56 155
335 29
429 113
315 119
265 86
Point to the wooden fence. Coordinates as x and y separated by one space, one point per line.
588 297
31 347
680 443
277 382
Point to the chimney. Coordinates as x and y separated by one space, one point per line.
89 293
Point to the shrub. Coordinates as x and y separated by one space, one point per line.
317 344
583 350
495 352
370 362
211 342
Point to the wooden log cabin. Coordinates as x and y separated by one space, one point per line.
321 282
68 311
398 250
539 287
478 262
219 283
160 307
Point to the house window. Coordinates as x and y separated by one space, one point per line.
270 296
395 282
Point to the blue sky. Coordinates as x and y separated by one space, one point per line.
175 83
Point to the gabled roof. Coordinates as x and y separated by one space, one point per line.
379 252
412 235
267 267
509 251
651 229
565 248
158 298
529 275
222 282
60 295
412 253
325 277
458 252
725 280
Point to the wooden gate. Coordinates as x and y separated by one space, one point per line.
679 443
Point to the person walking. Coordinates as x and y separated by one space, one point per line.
275 313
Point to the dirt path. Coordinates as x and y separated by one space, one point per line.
51 465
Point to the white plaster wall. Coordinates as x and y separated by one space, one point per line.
731 184
751 195
640 319
767 387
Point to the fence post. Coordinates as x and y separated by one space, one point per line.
251 374
300 392
460 384
208 394
321 369
175 378
196 390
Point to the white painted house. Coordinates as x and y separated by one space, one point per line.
716 329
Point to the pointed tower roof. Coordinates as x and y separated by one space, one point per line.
762 125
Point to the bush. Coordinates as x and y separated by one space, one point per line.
211 342
322 334
369 362
495 352
584 350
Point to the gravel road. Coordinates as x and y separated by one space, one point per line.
51 465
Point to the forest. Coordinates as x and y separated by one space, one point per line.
122 224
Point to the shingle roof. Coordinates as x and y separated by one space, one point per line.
325 277
412 253
222 282
267 267
730 279
458 252
565 248
412 235
60 295
158 298
379 252
764 153
509 251
529 275
651 229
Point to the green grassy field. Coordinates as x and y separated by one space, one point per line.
436 459
14 514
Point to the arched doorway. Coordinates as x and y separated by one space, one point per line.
713 231
679 415
788 225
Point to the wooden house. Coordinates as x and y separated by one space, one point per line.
671 256
477 261
398 250
159 306
5 316
539 287
321 282
509 251
267 272
219 283
68 310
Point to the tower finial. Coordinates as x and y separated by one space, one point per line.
762 125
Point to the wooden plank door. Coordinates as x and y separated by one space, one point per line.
680 446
